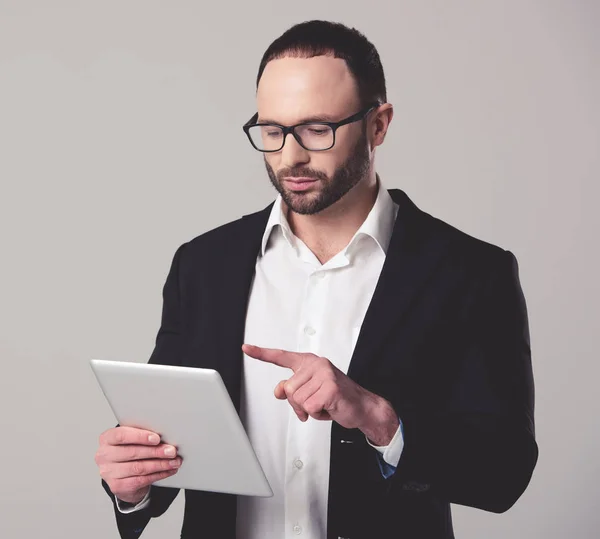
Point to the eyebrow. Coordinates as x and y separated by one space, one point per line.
314 118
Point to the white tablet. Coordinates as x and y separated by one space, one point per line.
190 409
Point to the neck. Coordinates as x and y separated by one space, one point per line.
329 232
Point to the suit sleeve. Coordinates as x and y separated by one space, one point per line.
477 447
167 351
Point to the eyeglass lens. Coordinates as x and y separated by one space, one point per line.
313 136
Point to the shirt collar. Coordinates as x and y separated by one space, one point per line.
276 218
378 225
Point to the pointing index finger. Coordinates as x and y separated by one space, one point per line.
283 358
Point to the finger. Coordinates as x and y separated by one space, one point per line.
121 470
286 389
302 416
132 484
294 384
279 391
305 392
126 453
283 358
298 379
281 395
316 405
129 435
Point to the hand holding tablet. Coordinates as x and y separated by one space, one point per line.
131 459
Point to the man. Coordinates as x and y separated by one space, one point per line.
396 346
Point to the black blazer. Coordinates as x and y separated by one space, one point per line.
445 340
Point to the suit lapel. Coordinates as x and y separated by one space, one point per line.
414 251
230 296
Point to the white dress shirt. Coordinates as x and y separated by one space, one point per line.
298 304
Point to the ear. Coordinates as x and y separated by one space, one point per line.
380 122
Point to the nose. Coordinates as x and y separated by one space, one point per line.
292 153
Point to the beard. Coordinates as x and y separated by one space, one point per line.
345 177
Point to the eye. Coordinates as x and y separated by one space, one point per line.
317 131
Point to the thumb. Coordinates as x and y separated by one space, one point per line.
279 391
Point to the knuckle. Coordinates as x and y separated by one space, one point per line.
103 472
313 407
326 366
294 404
137 468
329 387
105 436
308 360
119 435
132 453
298 399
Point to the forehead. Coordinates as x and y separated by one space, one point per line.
293 89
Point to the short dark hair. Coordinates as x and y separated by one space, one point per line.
319 38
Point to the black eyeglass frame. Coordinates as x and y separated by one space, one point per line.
292 128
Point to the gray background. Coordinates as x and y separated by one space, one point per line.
120 139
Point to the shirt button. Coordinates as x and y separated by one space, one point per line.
298 463
297 530
309 331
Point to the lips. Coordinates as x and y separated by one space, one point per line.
300 180
300 184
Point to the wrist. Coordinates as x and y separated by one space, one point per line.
381 421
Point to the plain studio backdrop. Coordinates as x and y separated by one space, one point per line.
120 139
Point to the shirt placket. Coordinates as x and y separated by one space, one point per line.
298 465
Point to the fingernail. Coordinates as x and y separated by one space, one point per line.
175 463
170 451
154 438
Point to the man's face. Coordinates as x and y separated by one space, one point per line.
292 90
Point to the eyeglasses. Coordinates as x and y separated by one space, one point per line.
312 136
